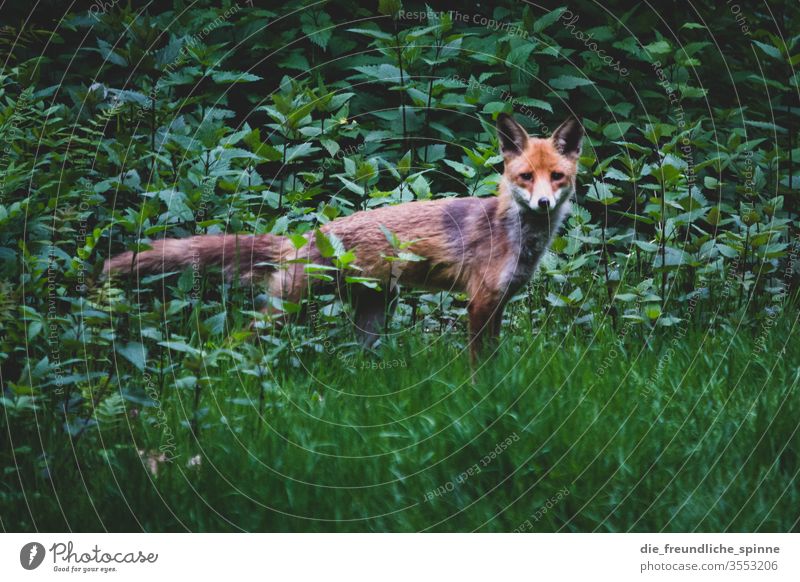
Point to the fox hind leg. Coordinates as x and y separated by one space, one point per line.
372 312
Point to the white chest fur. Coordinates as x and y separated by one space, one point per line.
530 235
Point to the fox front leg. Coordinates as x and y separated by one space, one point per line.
484 323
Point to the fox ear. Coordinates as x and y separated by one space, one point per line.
568 137
513 136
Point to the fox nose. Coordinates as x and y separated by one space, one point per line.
543 203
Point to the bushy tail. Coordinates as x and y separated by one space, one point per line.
242 254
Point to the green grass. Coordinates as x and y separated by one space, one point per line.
703 438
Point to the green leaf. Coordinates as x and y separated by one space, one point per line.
181 347
727 251
389 7
601 192
374 33
323 244
331 146
296 116
433 153
318 26
652 310
298 240
769 49
541 23
134 352
496 107
385 72
421 187
673 257
648 247
569 82
659 47
615 174
556 300
538 103
765 125
626 297
368 282
690 92
410 257
300 151
328 244
404 165
352 186
230 77
177 209
616 130
463 169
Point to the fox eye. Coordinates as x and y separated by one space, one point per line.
556 176
526 175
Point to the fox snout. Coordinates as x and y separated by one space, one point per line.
541 198
545 198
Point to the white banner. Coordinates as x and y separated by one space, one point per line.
400 557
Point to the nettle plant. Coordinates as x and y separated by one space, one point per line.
194 122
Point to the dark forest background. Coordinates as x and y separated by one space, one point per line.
123 122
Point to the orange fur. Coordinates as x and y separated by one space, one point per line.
486 247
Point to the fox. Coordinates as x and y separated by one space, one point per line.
487 247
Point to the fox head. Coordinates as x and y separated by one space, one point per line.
539 172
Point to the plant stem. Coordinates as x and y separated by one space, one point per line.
402 84
663 222
604 258
430 94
